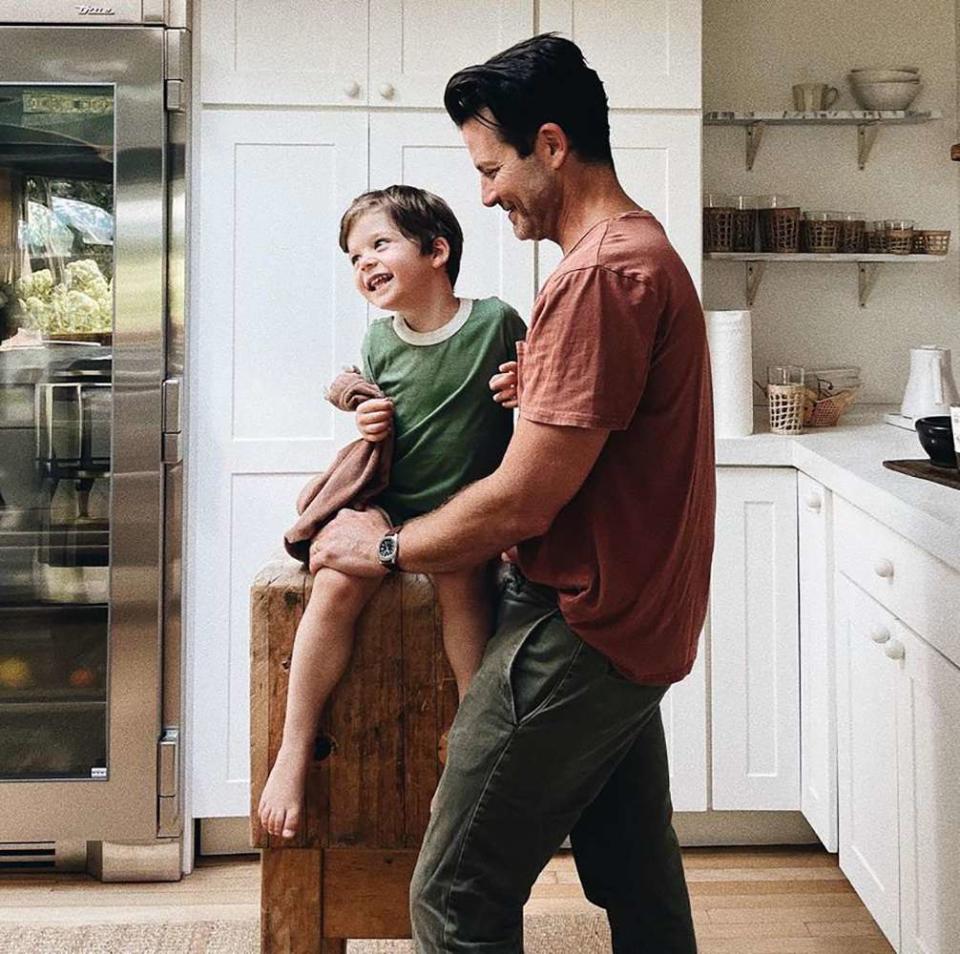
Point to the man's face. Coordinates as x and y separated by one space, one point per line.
524 188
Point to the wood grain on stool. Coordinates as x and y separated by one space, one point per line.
347 871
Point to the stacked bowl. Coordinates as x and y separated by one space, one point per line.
892 87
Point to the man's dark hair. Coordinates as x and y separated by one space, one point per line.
541 80
419 215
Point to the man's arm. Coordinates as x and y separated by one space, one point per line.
545 465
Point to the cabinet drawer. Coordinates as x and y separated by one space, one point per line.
920 589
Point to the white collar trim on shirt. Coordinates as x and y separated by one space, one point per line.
406 333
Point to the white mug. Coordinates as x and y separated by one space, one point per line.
814 97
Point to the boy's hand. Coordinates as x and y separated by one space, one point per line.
375 419
504 385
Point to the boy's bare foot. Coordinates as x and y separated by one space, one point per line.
281 802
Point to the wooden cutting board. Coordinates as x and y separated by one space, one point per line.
925 471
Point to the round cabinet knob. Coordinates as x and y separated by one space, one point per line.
883 568
387 91
880 634
895 649
352 89
814 502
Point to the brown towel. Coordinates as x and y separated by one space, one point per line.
360 471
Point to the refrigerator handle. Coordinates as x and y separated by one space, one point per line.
172 450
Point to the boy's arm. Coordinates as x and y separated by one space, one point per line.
545 465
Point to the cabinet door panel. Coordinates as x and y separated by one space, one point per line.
291 52
818 725
416 45
278 318
867 756
928 717
684 714
755 713
658 161
429 153
647 54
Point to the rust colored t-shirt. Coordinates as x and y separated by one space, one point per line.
617 341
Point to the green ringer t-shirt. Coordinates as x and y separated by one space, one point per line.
448 429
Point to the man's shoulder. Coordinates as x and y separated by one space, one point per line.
632 246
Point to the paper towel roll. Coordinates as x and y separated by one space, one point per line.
731 359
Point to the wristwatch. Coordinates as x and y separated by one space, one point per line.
388 553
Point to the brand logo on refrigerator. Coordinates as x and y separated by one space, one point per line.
89 10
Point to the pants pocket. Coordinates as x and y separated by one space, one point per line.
538 664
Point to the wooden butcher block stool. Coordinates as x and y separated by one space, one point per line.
347 872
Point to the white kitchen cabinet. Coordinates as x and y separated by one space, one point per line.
657 157
928 722
867 755
352 53
818 725
275 318
754 658
684 714
898 707
295 52
417 45
647 52
274 311
428 152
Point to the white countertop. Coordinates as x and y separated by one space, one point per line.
848 459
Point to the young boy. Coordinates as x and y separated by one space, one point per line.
436 359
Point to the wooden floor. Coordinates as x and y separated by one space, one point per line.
745 901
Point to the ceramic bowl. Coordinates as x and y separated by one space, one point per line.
886 75
885 95
936 438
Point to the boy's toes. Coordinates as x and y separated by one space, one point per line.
291 823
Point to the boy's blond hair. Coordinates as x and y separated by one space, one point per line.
419 215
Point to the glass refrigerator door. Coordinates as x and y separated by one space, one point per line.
81 364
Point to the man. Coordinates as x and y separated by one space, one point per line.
608 489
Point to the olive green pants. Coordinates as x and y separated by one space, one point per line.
550 741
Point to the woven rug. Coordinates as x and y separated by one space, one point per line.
198 937
547 933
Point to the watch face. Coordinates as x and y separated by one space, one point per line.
387 549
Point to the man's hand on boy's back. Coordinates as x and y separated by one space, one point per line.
374 419
504 385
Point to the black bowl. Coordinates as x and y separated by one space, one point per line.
936 438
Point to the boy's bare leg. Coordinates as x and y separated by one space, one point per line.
466 604
321 651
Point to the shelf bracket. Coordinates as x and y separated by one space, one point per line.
754 138
754 275
867 276
866 137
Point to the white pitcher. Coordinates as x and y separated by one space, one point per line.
931 388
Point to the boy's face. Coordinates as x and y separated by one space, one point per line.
389 269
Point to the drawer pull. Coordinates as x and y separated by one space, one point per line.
880 634
814 502
895 649
352 89
883 568
387 91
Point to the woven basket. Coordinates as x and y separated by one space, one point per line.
852 238
821 237
744 230
786 403
826 411
718 229
931 241
899 241
780 230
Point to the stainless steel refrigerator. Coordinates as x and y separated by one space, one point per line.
93 122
